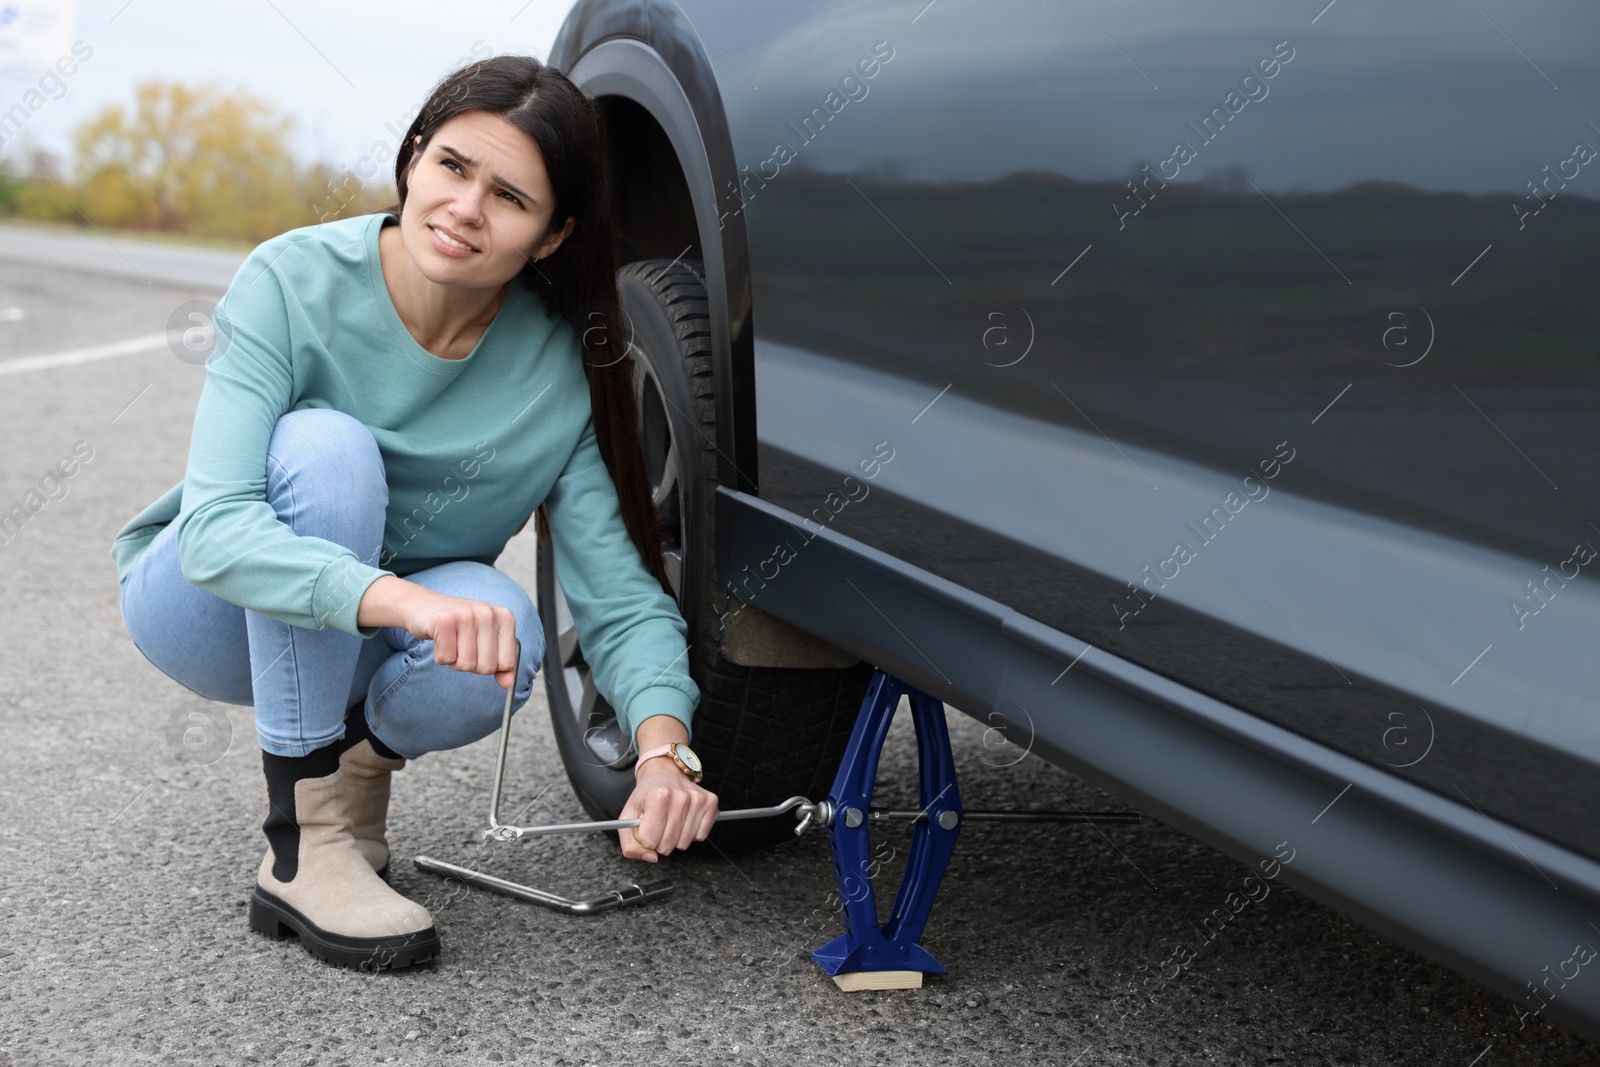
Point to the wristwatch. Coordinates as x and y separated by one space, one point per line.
682 755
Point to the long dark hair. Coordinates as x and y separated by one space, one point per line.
579 280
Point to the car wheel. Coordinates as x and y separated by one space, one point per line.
764 733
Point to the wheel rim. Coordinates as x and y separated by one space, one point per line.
601 731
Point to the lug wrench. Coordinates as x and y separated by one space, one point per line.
808 813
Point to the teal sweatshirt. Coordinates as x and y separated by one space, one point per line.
470 448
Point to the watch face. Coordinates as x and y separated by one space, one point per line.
690 760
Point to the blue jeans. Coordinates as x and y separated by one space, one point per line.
325 479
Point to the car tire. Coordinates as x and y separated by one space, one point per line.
764 734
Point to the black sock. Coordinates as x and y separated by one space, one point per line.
356 729
282 824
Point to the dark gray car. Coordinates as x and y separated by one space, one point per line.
1207 394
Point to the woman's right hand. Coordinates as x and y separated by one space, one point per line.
467 635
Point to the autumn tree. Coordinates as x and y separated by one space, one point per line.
327 194
192 159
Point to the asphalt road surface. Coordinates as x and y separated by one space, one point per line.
129 837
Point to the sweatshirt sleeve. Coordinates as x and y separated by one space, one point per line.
230 540
631 631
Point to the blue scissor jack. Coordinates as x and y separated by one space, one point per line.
866 947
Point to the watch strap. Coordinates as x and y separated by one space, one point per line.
659 750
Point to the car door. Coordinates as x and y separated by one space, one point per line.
1254 343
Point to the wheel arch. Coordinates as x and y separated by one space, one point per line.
674 195
663 105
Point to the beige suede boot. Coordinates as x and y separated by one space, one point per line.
367 764
315 881
366 781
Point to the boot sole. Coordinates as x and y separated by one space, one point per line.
278 920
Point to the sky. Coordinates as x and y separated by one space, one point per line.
342 69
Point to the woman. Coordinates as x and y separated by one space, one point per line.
392 395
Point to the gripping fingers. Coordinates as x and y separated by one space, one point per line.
444 645
701 814
671 818
497 640
506 640
629 838
651 833
481 639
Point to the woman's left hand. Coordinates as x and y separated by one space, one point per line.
673 809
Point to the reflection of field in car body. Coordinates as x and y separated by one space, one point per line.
1220 263
1222 299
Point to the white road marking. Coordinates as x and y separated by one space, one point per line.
83 355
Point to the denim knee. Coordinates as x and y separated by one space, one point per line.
332 437
326 478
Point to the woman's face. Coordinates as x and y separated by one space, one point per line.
480 183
